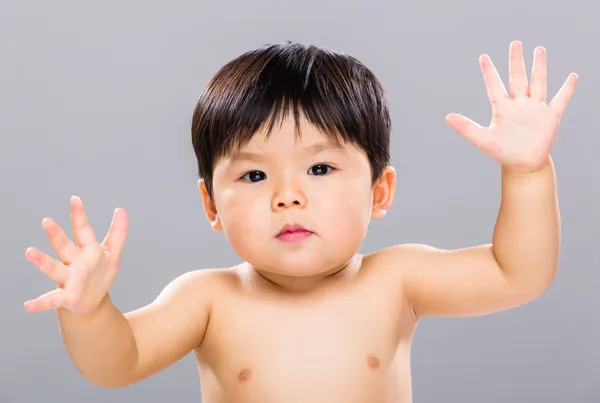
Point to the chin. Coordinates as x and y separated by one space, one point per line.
301 266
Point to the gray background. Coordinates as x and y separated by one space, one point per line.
96 100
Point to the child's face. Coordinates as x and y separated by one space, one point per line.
304 181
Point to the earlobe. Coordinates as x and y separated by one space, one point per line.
216 224
383 193
210 208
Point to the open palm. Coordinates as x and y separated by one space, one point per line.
523 127
86 269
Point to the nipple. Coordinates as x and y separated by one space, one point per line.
373 362
244 375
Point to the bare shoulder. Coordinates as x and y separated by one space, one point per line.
390 270
397 264
406 250
205 284
186 300
400 258
421 263
176 321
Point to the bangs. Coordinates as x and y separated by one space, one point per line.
258 90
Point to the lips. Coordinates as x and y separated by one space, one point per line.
293 233
291 228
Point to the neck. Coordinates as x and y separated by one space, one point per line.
296 284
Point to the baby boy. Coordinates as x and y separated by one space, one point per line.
292 144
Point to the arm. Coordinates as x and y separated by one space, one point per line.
517 268
522 261
111 349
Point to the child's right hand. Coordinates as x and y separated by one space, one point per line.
86 269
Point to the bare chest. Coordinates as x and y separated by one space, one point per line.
338 349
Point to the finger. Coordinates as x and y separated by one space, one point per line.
117 233
538 88
50 300
517 82
493 83
47 265
559 104
84 234
470 130
62 245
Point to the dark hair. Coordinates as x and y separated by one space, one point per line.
334 91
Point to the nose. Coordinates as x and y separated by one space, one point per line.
288 196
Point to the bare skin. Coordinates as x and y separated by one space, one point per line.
314 321
347 340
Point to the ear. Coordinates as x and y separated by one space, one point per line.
209 207
383 193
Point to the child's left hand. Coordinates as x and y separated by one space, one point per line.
523 126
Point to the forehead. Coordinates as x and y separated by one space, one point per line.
287 138
288 134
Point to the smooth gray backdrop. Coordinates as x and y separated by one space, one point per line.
96 100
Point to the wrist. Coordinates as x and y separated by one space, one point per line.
103 308
526 172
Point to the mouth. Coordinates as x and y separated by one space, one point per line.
293 233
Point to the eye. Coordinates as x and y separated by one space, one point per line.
320 169
254 176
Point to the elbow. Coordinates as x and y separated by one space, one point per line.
109 379
545 280
538 290
533 287
109 382
104 385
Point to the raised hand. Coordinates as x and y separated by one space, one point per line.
86 268
523 127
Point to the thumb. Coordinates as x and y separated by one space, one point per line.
117 233
467 128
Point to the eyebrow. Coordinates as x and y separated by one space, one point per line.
319 147
238 156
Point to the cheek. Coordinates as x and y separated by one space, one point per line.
348 206
240 216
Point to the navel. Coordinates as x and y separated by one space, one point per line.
373 362
244 375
